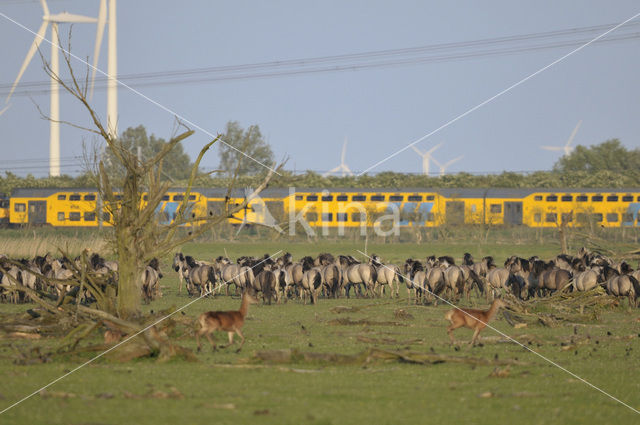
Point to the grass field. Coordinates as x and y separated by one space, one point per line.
225 387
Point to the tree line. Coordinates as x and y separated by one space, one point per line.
608 165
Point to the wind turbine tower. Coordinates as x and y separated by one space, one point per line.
426 157
343 167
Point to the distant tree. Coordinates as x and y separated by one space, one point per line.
610 155
249 141
176 165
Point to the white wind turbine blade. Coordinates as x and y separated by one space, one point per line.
66 17
32 51
552 148
343 156
418 151
446 165
568 148
3 110
430 151
45 8
102 20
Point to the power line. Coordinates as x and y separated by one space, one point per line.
436 53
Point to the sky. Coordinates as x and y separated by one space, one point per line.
306 116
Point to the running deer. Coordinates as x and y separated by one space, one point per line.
472 319
227 321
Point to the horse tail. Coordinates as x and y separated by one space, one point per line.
396 271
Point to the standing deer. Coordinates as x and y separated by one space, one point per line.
472 319
227 321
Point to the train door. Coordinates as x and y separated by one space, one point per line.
455 212
37 212
513 213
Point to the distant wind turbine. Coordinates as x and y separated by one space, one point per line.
443 167
426 157
54 112
567 148
343 167
3 110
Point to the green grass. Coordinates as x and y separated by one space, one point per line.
225 387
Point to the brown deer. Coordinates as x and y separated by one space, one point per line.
472 319
227 321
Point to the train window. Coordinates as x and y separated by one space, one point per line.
74 197
165 198
638 199
299 197
89 216
566 198
582 198
192 197
358 217
74 216
377 198
552 198
62 197
597 217
596 198
327 216
627 217
396 198
537 217
60 216
178 197
431 217
358 198
415 198
612 198
106 216
117 197
627 198
19 208
327 198
567 217
342 198
311 216
496 208
89 197
341 216
537 198
551 218
312 197
612 217
4 203
430 197
145 198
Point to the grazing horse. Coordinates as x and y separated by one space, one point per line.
332 279
200 275
357 273
311 284
151 281
624 286
388 274
180 266
588 279
497 279
267 282
241 276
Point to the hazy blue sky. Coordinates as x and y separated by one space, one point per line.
307 116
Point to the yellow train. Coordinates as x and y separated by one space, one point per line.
348 207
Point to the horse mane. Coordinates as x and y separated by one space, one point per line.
190 261
154 264
307 263
467 259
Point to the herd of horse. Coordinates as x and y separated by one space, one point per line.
429 281
280 279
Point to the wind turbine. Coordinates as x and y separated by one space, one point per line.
54 111
3 110
343 167
567 148
426 157
443 167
